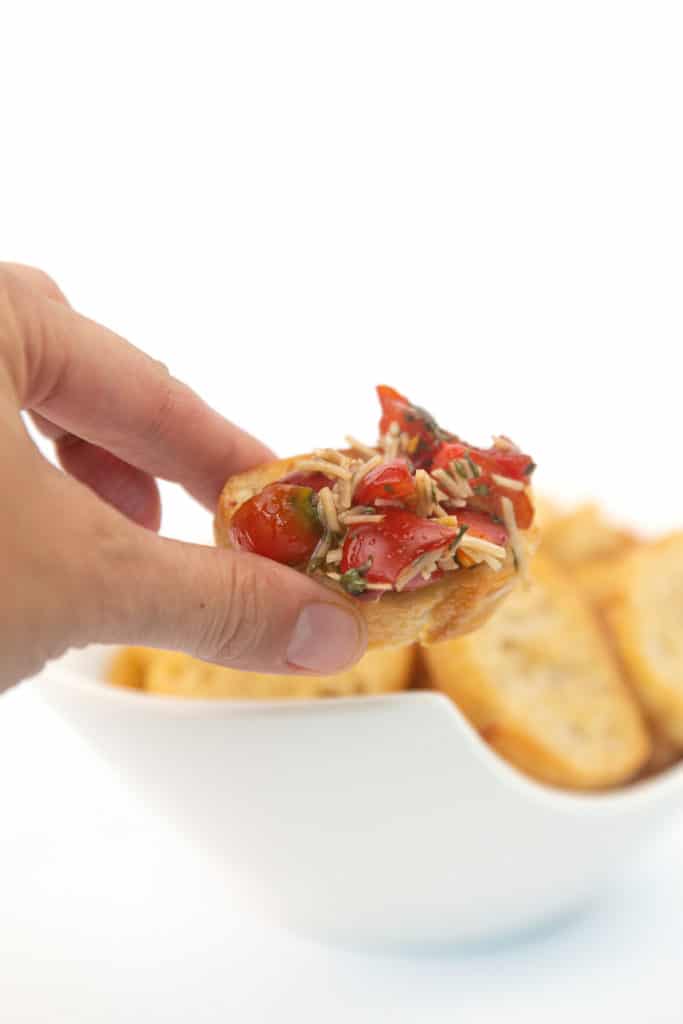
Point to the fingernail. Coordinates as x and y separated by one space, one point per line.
326 638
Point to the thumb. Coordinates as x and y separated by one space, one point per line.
228 607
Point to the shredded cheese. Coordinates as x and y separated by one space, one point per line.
507 482
349 519
341 493
321 549
363 470
389 503
358 446
423 489
479 545
331 455
504 443
516 542
324 466
327 507
492 563
453 487
425 563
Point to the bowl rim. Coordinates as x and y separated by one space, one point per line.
628 799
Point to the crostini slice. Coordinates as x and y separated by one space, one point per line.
425 531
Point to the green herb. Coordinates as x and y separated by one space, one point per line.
353 580
304 501
481 489
529 469
389 489
473 466
460 469
317 559
462 530
416 414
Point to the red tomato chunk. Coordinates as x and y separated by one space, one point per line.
280 522
316 481
412 420
392 545
389 480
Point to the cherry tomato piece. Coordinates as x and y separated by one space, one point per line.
522 507
515 465
480 524
487 498
450 451
391 479
316 481
392 545
280 522
412 420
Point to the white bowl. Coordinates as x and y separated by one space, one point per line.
367 820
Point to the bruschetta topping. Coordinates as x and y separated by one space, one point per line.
396 516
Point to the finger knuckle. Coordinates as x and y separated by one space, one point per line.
237 628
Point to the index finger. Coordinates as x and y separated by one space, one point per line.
93 383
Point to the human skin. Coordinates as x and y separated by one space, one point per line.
81 558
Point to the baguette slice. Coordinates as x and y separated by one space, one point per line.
459 602
130 665
179 675
587 544
540 684
582 535
643 611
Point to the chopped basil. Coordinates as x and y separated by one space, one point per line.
353 580
416 414
460 469
462 530
481 489
476 471
529 469
317 559
305 502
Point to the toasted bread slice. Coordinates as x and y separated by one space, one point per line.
453 605
644 614
130 665
539 682
582 535
585 543
179 675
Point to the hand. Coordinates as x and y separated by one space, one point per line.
81 559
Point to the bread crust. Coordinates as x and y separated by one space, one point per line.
174 674
540 685
643 611
456 604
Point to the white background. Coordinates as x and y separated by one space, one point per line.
478 203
